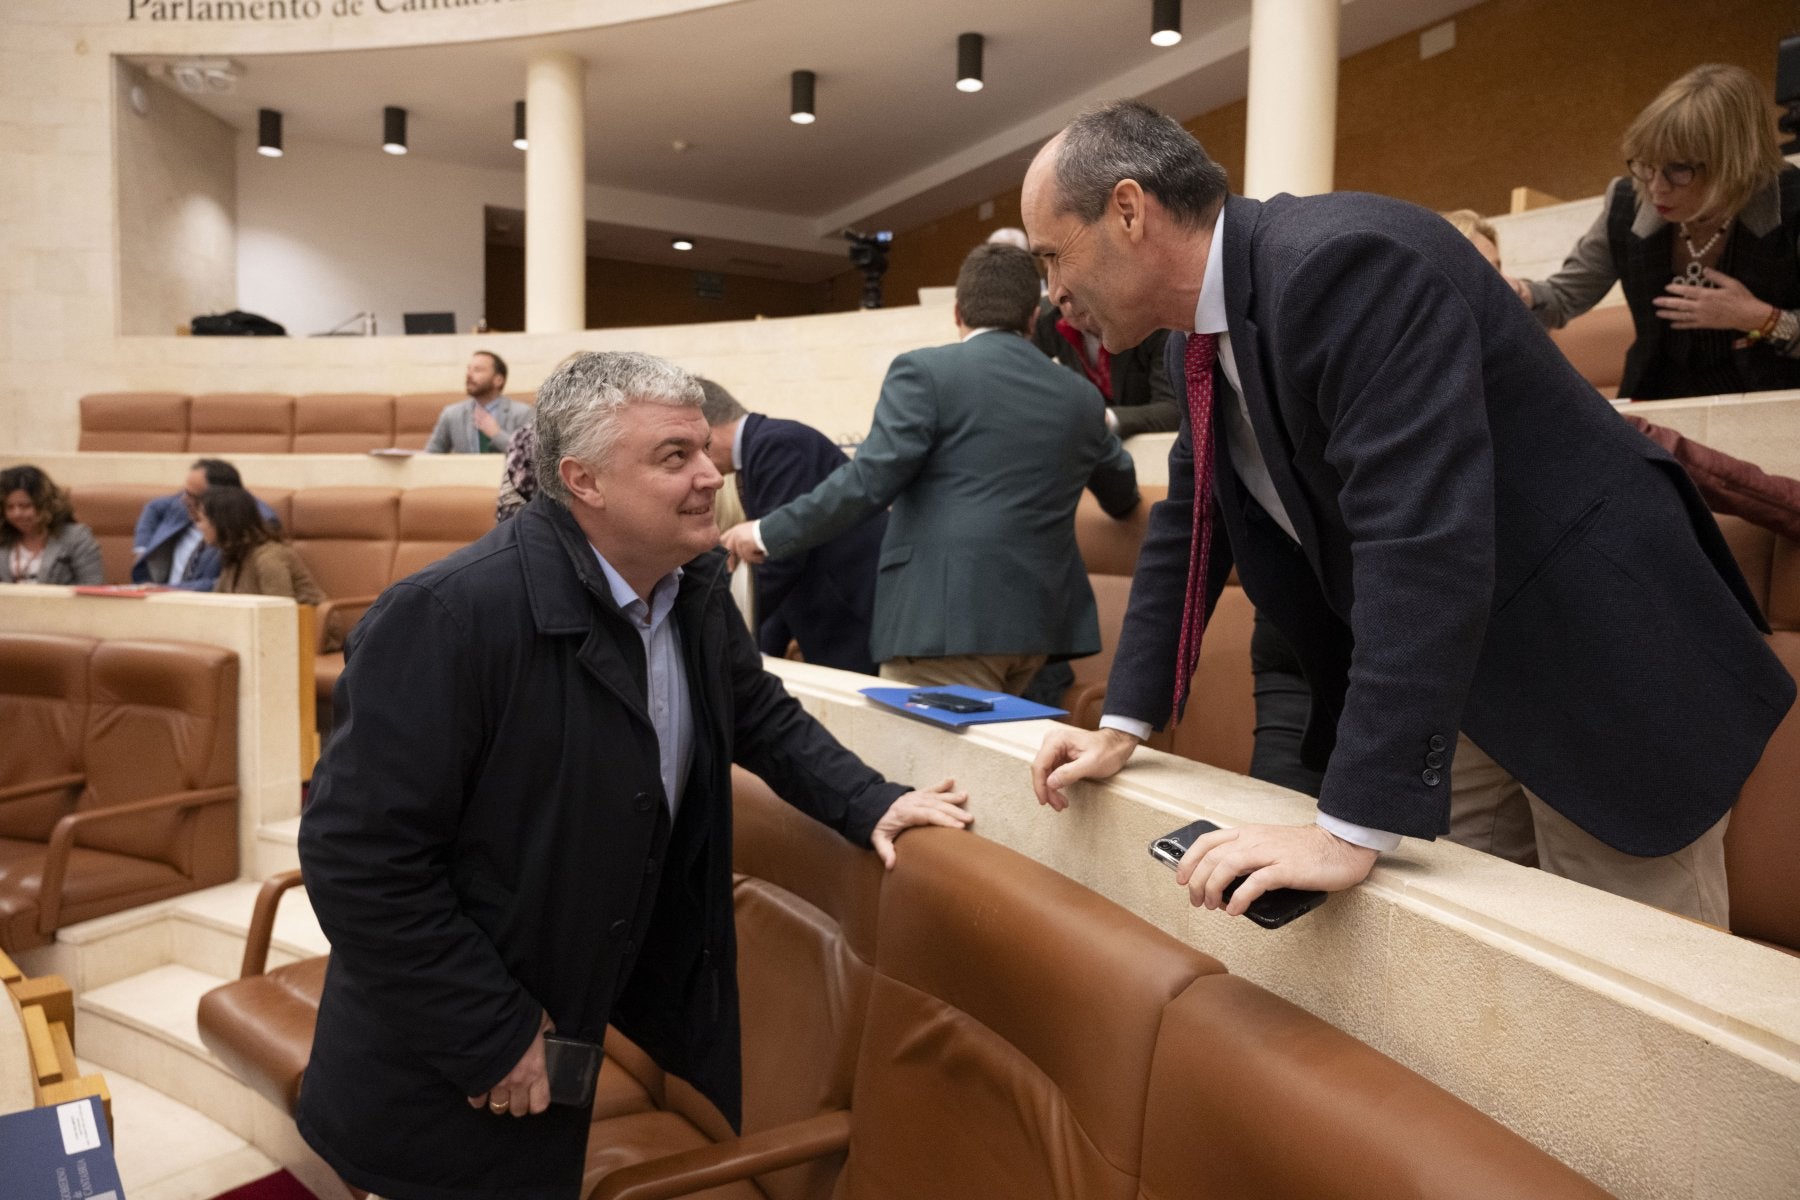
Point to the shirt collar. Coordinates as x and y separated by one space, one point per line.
662 596
491 404
975 333
737 444
1209 313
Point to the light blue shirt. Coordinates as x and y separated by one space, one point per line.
185 549
669 703
1247 460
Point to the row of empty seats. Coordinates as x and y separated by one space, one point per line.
974 1024
118 778
262 422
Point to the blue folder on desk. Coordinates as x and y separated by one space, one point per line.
1006 707
57 1153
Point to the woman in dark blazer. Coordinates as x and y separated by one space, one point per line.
1704 236
40 540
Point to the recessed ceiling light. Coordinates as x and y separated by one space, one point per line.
682 243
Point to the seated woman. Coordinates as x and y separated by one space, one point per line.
1704 236
254 558
40 541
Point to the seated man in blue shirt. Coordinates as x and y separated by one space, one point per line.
167 546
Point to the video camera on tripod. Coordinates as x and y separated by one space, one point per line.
869 251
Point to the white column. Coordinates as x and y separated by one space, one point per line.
1291 126
555 195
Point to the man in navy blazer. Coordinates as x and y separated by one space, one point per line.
1453 529
823 598
167 547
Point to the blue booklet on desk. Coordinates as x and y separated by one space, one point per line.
1004 707
59 1152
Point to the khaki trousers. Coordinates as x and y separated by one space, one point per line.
990 672
1495 813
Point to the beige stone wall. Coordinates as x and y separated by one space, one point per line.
177 168
1657 1056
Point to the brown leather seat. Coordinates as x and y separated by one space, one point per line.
1110 546
153 812
112 510
1219 728
1595 344
1011 1023
44 711
241 423
343 423
1086 697
267 1025
1253 1098
436 521
138 422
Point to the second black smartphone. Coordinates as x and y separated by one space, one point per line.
950 702
1271 910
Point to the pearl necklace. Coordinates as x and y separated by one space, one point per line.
1695 272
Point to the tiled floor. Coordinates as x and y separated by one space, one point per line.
167 1151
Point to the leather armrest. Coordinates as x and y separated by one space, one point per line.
262 922
62 840
727 1162
329 614
38 787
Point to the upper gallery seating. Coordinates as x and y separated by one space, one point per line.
263 423
118 777
975 1025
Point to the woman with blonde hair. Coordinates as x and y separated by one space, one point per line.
1703 234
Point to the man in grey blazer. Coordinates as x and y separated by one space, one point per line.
982 448
1451 527
487 420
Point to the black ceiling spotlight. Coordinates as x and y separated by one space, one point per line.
1165 22
268 132
968 62
393 130
801 111
519 142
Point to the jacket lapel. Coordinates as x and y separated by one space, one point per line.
1241 217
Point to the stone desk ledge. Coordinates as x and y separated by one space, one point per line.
1657 1056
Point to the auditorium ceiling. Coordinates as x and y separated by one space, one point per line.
693 107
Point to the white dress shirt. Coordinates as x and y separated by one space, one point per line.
1253 471
669 703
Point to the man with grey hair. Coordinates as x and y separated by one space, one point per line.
1452 529
522 824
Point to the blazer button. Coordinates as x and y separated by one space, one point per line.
1434 759
1437 741
621 927
1431 777
643 801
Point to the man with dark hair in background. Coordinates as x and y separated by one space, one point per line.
982 448
823 598
167 546
1452 529
486 421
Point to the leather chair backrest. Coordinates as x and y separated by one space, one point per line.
279 499
435 521
112 510
1111 594
1219 728
343 423
416 414
346 536
162 719
1108 546
141 422
1595 344
241 423
1253 1098
1010 1029
43 713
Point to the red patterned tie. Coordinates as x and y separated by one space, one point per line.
1202 348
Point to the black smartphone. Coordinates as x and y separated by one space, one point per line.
950 702
1271 910
573 1067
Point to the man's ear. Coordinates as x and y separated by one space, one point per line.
582 483
1127 208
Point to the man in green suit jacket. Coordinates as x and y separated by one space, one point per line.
982 449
